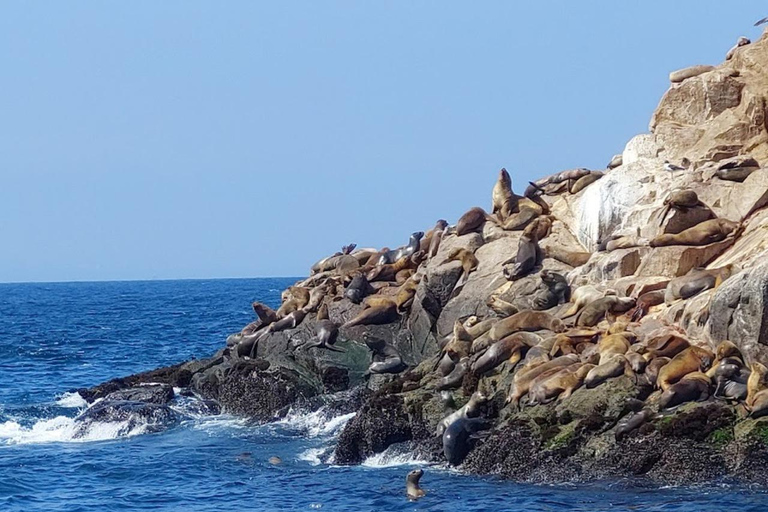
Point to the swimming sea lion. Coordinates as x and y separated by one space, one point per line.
472 221
559 386
597 310
412 489
414 244
504 201
692 359
696 281
471 409
693 387
527 257
526 321
704 233
377 312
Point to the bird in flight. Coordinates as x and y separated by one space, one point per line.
764 20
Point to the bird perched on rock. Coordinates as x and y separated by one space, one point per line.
672 167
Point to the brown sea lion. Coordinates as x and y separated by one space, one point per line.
504 200
737 174
476 327
563 345
611 345
636 361
500 306
757 382
693 387
472 221
625 242
559 386
653 367
585 181
377 312
726 350
526 321
542 226
704 233
469 263
521 219
615 366
436 238
528 254
571 258
696 281
387 272
525 377
316 296
426 242
759 406
266 315
665 345
692 359
460 344
471 409
597 310
582 296
644 303
683 200
412 489
326 332
511 349
405 295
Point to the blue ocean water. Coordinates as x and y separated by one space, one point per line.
55 337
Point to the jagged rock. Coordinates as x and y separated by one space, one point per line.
148 393
609 266
677 260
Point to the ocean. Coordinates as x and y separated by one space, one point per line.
61 336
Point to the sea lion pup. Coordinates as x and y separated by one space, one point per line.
611 345
503 200
585 181
526 321
406 294
454 379
632 422
696 281
387 272
457 438
378 311
665 345
500 306
692 359
524 378
573 259
757 382
652 369
704 233
560 386
469 263
326 332
471 222
742 41
527 257
731 379
384 357
595 311
555 289
521 219
582 296
511 349
644 303
471 409
412 489
414 245
693 387
615 366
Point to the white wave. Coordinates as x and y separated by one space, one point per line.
62 429
313 455
213 424
315 424
392 457
71 401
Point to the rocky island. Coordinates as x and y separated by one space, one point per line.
595 324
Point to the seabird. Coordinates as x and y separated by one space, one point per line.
764 20
672 167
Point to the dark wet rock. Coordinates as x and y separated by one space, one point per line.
148 393
148 417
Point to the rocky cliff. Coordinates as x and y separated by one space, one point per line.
662 258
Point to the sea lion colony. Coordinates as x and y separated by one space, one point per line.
552 340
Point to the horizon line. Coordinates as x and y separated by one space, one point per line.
147 280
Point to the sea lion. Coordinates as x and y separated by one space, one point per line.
696 281
757 381
665 345
456 438
472 221
759 404
346 264
476 327
527 257
611 345
571 258
526 321
510 349
726 351
384 357
595 311
504 201
693 387
469 263
471 409
742 41
326 332
555 289
445 365
460 344
636 361
615 366
426 241
559 386
616 161
692 359
524 378
535 356
413 246
316 296
644 303
266 315
521 219
453 380
563 345
737 174
294 298
542 225
653 367
704 233
556 183
388 271
500 306
582 296
631 422
412 489
376 312
731 380
437 238
625 242
585 181
406 294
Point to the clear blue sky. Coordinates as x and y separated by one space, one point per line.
185 139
